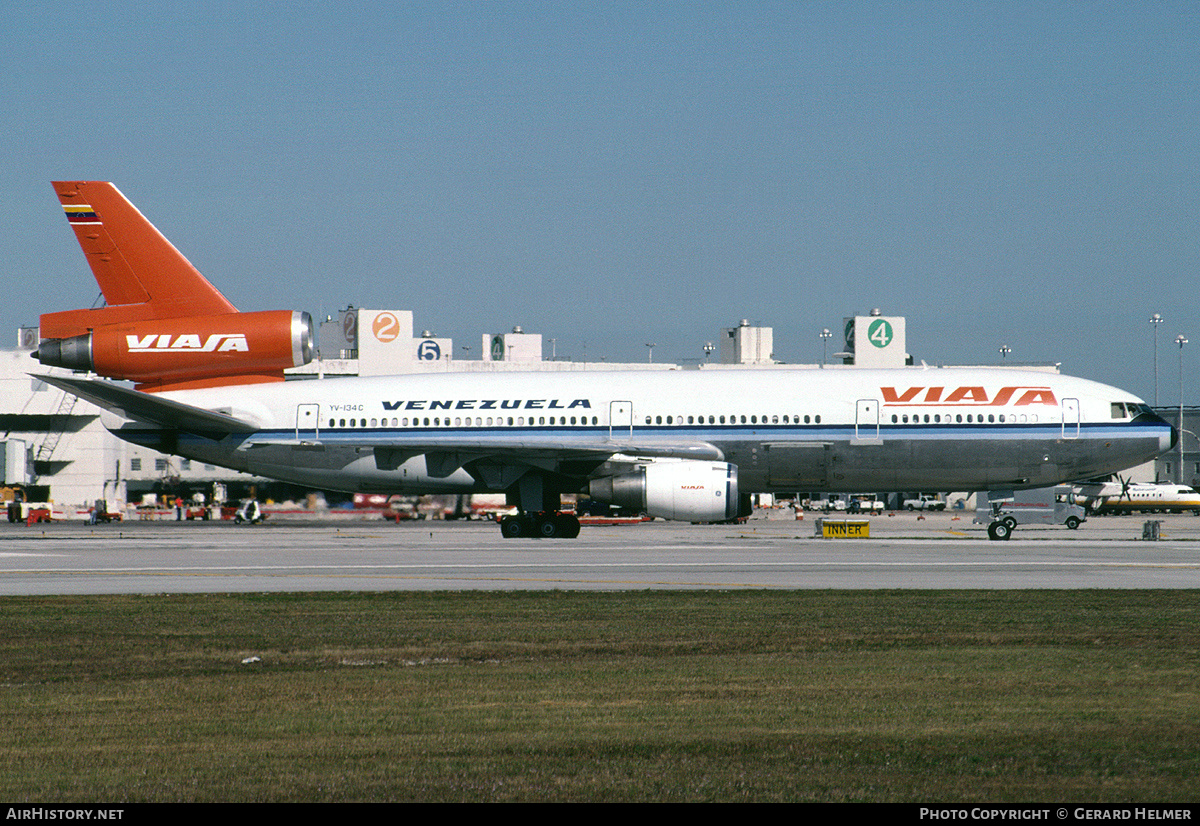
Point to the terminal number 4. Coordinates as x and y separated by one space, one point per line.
880 333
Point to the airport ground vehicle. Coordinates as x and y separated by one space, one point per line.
249 512
1044 506
102 514
865 503
924 502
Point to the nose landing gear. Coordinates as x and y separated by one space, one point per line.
1000 530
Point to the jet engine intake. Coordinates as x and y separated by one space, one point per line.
685 490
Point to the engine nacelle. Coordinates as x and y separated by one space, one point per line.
684 489
174 352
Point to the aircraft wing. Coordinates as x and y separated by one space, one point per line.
497 460
146 407
456 449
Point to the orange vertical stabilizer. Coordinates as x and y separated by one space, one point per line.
140 273
164 326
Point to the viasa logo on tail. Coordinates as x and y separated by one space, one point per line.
162 342
967 396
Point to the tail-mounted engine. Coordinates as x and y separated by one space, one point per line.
683 489
173 351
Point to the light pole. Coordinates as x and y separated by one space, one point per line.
1180 340
651 346
1155 320
825 335
1197 438
1004 351
708 350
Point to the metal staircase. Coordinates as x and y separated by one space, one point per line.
58 423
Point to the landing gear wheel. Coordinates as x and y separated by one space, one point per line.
558 526
998 531
544 525
548 526
512 527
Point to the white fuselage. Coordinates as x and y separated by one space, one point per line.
785 430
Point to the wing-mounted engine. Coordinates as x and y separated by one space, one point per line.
684 490
174 352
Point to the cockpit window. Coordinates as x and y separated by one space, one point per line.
1130 410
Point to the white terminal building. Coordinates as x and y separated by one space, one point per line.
57 450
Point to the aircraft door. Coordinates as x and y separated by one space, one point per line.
307 421
620 420
866 419
1070 420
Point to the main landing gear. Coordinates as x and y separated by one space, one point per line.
544 525
538 498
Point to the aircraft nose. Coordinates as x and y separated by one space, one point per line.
1166 443
1176 435
1166 440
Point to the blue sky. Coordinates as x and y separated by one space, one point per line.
613 173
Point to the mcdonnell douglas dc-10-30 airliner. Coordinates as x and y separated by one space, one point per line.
209 386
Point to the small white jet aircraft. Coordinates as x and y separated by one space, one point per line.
683 445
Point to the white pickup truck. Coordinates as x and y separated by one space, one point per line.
924 503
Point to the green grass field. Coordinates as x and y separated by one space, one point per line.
946 696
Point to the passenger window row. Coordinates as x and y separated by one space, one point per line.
968 418
468 421
534 421
738 419
521 421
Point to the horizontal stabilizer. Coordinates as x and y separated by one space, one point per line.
147 407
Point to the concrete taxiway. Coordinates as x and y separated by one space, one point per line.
904 551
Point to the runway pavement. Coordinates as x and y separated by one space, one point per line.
904 551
